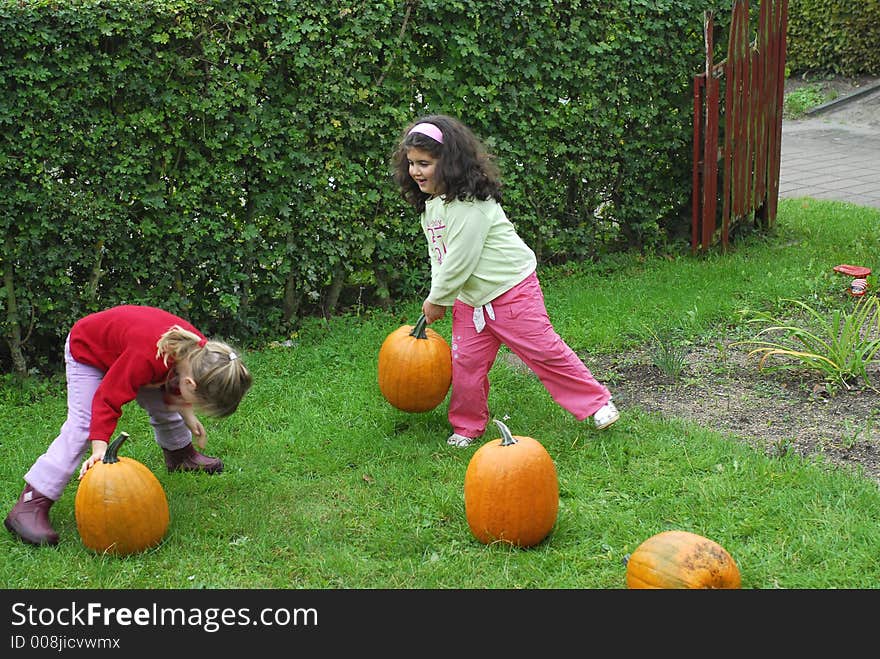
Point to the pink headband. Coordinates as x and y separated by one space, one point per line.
428 129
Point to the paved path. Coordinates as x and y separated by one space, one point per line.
834 154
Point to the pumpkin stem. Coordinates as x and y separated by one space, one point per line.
506 438
419 330
110 455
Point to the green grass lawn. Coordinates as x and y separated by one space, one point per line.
326 486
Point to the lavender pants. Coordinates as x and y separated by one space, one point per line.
522 324
53 470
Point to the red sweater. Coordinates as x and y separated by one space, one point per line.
121 341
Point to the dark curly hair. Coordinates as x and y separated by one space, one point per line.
465 169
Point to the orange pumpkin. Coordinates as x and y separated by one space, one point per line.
681 559
511 492
415 367
120 505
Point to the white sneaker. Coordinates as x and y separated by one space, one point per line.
459 440
605 416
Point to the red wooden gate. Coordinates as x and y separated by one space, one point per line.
754 75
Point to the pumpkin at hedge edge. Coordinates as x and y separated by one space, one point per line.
511 491
415 367
120 505
681 559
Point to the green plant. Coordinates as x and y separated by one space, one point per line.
781 447
668 355
796 103
855 430
840 344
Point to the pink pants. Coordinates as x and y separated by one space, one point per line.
51 472
522 324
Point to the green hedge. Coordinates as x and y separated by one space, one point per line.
839 37
228 160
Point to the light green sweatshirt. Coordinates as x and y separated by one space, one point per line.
476 254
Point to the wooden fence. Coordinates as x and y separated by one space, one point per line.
753 74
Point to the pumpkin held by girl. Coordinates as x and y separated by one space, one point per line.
120 505
415 368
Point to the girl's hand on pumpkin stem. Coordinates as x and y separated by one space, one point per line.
99 448
432 311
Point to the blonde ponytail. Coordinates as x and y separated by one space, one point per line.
221 378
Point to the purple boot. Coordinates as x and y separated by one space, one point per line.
188 459
29 518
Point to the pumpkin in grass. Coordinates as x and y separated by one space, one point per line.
120 505
511 491
681 559
415 367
